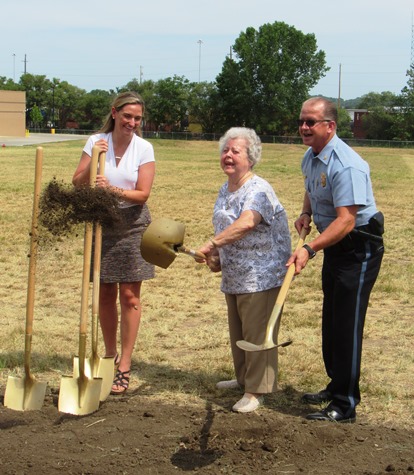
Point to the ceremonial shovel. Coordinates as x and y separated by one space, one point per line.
276 314
26 393
162 240
81 395
96 367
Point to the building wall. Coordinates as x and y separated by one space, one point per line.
13 113
356 122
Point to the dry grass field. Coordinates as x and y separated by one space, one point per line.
182 348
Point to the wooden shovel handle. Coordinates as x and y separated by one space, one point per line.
97 269
98 249
191 252
34 236
290 272
87 254
281 296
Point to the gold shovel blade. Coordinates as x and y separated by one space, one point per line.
101 368
79 396
24 394
104 369
159 241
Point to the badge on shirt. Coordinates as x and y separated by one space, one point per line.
323 180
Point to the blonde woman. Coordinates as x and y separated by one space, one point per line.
130 169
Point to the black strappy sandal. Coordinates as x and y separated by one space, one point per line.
122 381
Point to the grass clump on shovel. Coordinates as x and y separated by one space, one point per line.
63 207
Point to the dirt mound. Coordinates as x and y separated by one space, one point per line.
133 435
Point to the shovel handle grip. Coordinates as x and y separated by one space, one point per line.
191 252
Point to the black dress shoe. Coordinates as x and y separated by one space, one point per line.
331 415
317 398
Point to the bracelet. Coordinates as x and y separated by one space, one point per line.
213 243
307 213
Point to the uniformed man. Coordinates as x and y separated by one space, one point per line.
340 201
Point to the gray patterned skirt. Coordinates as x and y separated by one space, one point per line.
121 259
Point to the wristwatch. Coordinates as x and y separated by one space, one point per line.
311 252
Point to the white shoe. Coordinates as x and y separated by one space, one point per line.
231 384
248 403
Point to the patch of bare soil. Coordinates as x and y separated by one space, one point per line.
133 435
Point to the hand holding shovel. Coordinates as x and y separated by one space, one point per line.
276 314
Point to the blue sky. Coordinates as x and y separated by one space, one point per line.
103 45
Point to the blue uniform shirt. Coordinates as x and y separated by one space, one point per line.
338 176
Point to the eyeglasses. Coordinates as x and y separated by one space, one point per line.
310 122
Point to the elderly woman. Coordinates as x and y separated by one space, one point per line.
251 246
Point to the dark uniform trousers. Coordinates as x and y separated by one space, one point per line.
349 272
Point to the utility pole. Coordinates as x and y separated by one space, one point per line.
199 58
141 74
25 64
14 67
339 90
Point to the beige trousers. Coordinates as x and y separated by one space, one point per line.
248 315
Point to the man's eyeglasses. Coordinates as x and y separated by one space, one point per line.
310 122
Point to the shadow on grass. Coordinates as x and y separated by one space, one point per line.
157 379
165 378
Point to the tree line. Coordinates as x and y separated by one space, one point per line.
262 85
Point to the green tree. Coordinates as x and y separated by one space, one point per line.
37 89
66 101
7 84
404 122
344 124
92 109
36 117
264 86
380 123
170 102
201 106
377 99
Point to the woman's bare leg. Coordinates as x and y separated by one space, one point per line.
108 316
129 297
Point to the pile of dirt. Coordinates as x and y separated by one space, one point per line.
133 434
62 207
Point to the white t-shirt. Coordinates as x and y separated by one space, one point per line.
125 175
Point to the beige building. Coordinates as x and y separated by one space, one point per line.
13 113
